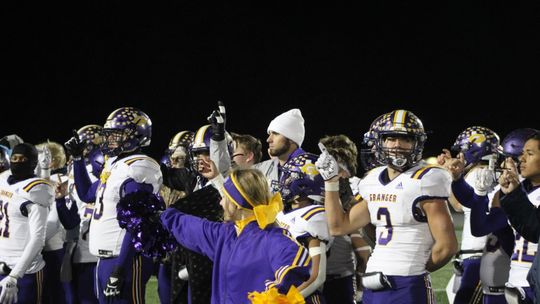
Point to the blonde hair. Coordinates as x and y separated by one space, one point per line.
254 185
57 153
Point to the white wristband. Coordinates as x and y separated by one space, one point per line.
331 186
363 248
313 251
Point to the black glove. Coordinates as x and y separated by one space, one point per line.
217 122
114 283
74 146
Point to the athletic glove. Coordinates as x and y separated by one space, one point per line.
74 146
9 290
327 165
114 284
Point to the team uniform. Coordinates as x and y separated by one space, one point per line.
309 221
470 253
23 212
82 262
106 237
404 241
522 257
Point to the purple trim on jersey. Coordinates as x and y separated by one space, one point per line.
313 214
384 179
405 289
23 209
423 173
416 210
470 279
83 183
463 192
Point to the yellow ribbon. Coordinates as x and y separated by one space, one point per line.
272 296
266 214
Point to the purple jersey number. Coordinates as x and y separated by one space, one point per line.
384 212
98 212
4 232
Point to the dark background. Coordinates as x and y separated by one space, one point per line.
454 65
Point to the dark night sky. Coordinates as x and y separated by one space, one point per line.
342 65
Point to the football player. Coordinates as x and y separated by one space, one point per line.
303 215
129 176
478 145
24 206
520 202
406 201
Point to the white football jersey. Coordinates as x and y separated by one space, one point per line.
524 251
82 254
468 241
56 234
14 227
106 236
306 221
403 239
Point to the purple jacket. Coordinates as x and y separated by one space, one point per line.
255 260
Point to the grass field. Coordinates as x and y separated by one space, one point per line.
439 278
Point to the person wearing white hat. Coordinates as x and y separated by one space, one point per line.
285 137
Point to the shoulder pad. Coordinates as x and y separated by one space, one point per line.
144 170
39 191
436 182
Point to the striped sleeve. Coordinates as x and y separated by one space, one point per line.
291 262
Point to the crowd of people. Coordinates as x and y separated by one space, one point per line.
92 219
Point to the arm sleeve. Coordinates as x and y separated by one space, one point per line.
219 154
483 223
192 232
37 218
69 217
523 215
463 192
82 182
290 261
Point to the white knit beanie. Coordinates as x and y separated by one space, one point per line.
289 124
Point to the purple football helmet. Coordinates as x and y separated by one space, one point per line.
513 143
475 143
398 123
367 147
182 138
300 179
91 136
96 159
126 130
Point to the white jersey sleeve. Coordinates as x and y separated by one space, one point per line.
38 191
314 223
145 170
436 183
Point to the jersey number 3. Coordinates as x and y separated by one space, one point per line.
384 240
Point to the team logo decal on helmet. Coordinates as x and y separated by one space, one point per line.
475 143
126 130
300 179
398 123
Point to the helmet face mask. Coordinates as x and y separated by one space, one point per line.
398 125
